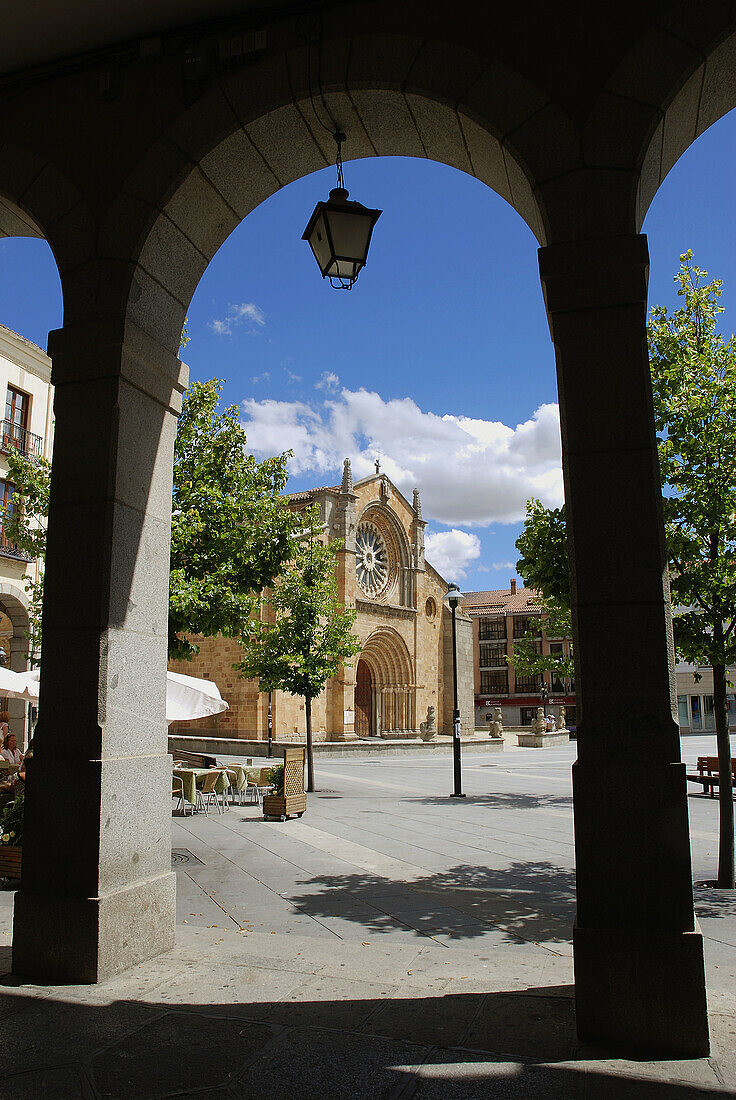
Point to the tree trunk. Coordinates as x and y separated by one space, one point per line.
725 783
310 752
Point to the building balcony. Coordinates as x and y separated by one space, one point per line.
15 438
8 549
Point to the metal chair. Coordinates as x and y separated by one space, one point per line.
207 793
177 791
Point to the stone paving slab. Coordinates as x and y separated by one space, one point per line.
395 946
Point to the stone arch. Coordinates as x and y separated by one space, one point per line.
706 91
14 602
392 679
38 199
255 132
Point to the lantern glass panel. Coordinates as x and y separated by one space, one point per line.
319 242
351 234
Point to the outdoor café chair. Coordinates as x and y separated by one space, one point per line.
177 791
206 793
241 788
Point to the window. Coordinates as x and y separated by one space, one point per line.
16 408
696 722
556 649
559 683
524 623
571 715
710 714
526 685
15 434
494 682
682 713
527 715
9 549
491 628
492 653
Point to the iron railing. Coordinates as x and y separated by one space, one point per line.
8 549
13 437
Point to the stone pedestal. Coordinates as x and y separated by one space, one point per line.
542 740
97 892
638 956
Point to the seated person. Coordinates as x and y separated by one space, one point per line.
10 750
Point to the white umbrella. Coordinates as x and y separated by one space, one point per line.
187 697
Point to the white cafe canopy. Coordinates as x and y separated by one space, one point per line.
187 697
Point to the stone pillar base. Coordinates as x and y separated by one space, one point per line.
68 940
347 735
641 990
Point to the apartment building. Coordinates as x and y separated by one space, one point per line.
499 617
27 426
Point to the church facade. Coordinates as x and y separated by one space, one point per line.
405 664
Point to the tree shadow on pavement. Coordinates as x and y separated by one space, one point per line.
532 900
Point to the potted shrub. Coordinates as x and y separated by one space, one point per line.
11 838
288 795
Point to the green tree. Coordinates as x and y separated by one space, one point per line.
694 386
24 523
543 566
231 529
304 634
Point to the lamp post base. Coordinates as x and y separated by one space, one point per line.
456 795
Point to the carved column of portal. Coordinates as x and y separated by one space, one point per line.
638 953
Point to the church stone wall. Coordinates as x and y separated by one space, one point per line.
409 615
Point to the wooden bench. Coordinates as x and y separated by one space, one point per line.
708 774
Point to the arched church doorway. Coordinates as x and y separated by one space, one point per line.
363 700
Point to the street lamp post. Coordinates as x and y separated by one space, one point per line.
270 726
453 598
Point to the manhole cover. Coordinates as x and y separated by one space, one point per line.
183 855
325 790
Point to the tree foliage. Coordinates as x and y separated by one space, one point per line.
304 634
694 387
24 523
231 529
543 566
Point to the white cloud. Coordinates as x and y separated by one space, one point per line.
291 377
243 314
451 552
504 565
265 377
329 381
470 471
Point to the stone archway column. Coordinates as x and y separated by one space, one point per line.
97 893
639 971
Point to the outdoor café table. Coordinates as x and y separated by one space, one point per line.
191 778
237 773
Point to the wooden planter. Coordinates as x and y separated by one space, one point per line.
10 860
282 806
293 800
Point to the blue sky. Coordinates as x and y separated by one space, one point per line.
439 358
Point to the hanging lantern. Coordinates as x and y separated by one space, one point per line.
339 232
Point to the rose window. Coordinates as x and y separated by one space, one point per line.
371 560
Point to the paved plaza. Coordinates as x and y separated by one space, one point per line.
394 942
